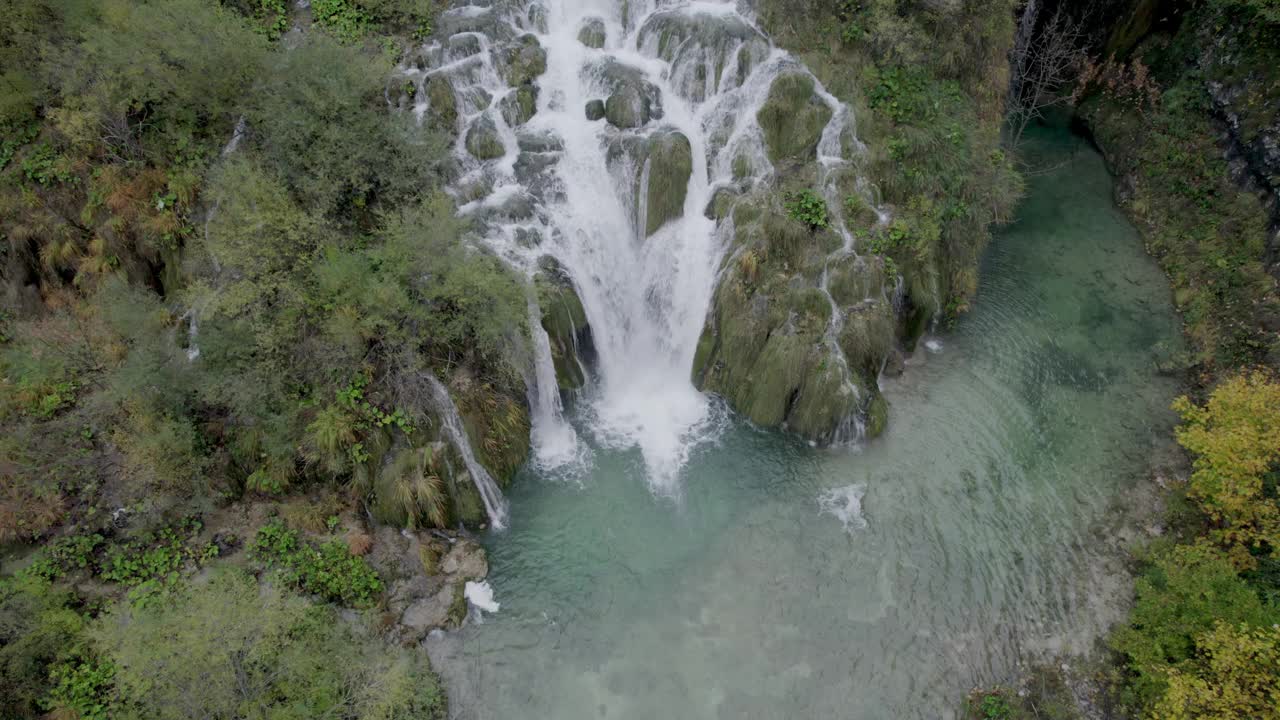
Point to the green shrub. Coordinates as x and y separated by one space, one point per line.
807 207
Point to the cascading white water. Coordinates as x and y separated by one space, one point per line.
581 190
490 494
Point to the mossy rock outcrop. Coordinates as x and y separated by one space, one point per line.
793 119
565 321
483 141
669 157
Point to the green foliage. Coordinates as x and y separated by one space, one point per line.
344 18
45 166
228 649
272 17
806 207
329 571
152 565
330 135
83 687
63 556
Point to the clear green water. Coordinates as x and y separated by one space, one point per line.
986 507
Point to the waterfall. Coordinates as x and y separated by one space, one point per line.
494 504
619 201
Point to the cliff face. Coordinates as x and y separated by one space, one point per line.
804 320
1185 105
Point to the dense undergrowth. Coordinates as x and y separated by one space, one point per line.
226 267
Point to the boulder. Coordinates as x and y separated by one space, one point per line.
592 34
523 61
632 101
669 158
565 321
442 104
519 105
595 110
793 119
483 141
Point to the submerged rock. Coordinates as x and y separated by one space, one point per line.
793 119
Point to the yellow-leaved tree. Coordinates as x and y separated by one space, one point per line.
1236 440
1236 675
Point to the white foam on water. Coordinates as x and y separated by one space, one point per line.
845 505
480 596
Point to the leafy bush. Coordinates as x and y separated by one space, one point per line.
83 687
330 570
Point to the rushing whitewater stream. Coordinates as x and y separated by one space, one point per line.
663 559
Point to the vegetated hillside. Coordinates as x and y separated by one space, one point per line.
229 276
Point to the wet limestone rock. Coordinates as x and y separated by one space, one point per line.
593 33
427 577
565 321
767 348
793 119
670 167
483 141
